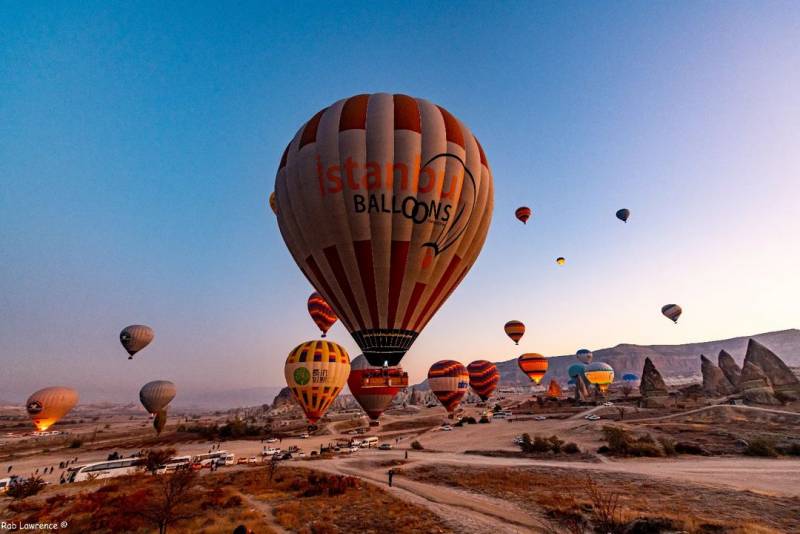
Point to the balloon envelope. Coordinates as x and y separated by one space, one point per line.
46 406
672 312
623 214
135 337
385 201
156 395
585 355
316 372
560 260
575 370
374 400
515 330
534 365
483 378
449 381
321 312
523 214
600 374
630 377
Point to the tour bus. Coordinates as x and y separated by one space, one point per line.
115 468
6 482
369 442
173 464
218 457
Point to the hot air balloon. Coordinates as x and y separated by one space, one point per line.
560 260
515 330
449 381
575 370
523 214
672 312
135 337
554 389
623 214
156 395
374 400
571 382
160 421
483 377
534 365
385 201
630 377
600 374
321 312
316 372
273 203
585 355
46 406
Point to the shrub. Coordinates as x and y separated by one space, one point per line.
469 420
687 447
761 447
21 488
571 448
555 444
416 445
668 446
622 443
792 450
483 420
75 444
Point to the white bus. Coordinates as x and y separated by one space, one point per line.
218 457
173 464
369 442
114 468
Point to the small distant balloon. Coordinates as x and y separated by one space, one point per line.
672 312
515 330
575 370
135 337
630 377
273 203
560 260
449 382
321 312
623 214
585 355
483 377
523 213
156 395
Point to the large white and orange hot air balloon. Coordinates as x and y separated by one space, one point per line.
374 400
385 201
316 372
46 406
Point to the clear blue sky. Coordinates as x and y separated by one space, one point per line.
139 142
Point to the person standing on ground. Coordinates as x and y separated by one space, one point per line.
391 475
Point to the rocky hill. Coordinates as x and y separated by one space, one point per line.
673 361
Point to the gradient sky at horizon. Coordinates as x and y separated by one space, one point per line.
139 142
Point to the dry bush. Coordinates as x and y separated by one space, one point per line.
22 488
606 510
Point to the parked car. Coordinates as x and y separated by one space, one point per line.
447 428
593 417
304 435
540 418
270 451
385 447
353 448
272 440
609 403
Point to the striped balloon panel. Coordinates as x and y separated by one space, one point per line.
534 365
136 337
316 372
523 214
483 378
156 395
374 401
321 312
46 406
449 381
515 330
385 201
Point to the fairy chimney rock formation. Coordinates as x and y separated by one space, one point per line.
754 385
714 381
729 367
784 383
652 387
